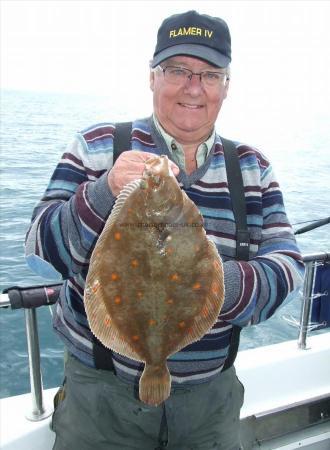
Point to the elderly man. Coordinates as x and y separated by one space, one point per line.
99 407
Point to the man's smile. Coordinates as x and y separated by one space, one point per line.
189 106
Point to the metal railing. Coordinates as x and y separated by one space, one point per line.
31 298
311 262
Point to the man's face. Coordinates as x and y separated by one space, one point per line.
187 112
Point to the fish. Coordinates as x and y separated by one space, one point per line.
155 281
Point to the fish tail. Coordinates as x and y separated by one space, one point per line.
155 384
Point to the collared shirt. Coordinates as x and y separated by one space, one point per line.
177 151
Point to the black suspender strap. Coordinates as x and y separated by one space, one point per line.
102 356
122 139
233 347
236 190
121 142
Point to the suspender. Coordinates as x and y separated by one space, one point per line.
102 355
121 142
236 189
122 138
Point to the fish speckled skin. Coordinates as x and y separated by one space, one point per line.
155 282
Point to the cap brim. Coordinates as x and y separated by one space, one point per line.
198 51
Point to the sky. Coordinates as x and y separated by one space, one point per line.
280 50
85 46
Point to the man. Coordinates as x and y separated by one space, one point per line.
189 79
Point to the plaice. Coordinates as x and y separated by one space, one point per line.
155 281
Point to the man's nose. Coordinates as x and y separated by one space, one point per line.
193 84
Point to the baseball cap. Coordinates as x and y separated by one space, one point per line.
194 34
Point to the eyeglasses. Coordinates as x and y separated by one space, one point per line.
180 75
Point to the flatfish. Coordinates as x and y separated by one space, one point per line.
155 281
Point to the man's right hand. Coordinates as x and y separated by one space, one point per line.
129 167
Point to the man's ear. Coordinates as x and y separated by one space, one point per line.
152 80
226 88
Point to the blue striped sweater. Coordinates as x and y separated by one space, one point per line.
68 220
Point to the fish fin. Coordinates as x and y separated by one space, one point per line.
213 303
155 384
121 199
98 317
103 327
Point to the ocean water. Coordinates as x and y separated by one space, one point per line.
35 129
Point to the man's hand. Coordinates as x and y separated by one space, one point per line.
129 167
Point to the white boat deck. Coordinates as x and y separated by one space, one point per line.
274 377
278 375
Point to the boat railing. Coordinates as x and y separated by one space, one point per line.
30 298
311 261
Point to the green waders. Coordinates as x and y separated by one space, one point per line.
98 411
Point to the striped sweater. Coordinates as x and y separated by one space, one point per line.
68 220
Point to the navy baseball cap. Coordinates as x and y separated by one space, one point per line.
194 34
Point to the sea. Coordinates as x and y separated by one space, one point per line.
36 127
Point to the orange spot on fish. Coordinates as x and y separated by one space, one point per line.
114 276
135 337
117 236
205 311
139 295
215 288
96 286
197 286
197 248
170 301
117 299
169 251
216 264
134 263
182 324
152 322
107 321
174 277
